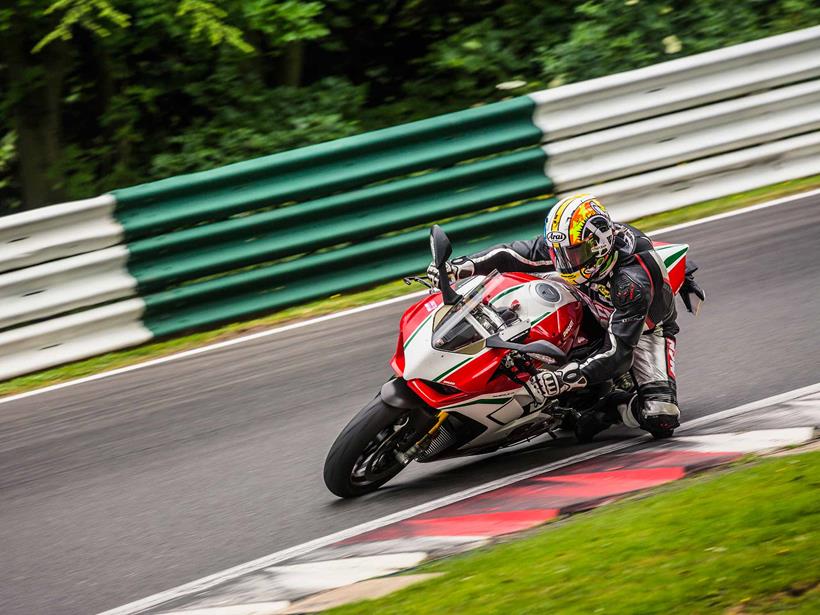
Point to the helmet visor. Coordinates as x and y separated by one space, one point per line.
572 259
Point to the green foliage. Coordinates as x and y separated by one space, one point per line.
288 22
90 14
7 157
140 89
609 36
208 23
260 121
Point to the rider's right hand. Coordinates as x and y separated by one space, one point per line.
457 269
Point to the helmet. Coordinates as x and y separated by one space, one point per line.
580 237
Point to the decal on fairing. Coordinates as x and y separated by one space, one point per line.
671 253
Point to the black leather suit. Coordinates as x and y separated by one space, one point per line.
633 302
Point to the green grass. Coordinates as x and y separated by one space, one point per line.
741 541
337 303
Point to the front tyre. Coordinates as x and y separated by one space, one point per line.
364 455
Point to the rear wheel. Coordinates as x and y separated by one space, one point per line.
365 455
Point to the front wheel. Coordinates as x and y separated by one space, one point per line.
364 456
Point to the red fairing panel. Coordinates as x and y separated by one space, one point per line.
561 327
677 274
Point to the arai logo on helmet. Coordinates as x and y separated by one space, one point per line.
556 237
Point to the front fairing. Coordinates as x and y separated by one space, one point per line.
423 360
546 309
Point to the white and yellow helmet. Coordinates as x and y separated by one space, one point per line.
580 237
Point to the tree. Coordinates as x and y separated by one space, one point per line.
87 46
99 94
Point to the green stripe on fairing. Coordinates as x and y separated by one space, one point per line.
452 369
412 335
674 257
540 318
494 402
506 292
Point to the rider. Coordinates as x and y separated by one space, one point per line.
625 280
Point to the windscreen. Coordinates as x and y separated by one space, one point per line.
468 323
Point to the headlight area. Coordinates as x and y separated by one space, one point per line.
436 394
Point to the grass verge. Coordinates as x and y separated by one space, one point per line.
740 541
337 303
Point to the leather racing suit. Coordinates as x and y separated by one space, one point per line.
633 302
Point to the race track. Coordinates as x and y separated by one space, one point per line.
119 488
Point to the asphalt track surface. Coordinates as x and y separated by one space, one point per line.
123 487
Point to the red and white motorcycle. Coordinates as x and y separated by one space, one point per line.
462 362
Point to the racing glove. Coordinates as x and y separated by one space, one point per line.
547 384
457 269
690 287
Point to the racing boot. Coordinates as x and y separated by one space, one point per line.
603 416
660 425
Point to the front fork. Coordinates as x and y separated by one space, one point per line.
397 394
411 453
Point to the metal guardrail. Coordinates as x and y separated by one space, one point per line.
83 278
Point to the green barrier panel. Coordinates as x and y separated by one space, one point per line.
255 292
330 217
324 169
364 217
461 178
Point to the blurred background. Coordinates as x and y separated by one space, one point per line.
100 94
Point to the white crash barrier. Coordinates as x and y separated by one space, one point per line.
684 136
711 178
42 235
680 84
689 130
63 285
72 337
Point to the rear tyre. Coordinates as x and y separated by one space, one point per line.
363 457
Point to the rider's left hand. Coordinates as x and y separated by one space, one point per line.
457 269
549 384
690 287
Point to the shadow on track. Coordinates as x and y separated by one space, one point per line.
474 471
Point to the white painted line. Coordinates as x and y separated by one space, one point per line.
711 419
298 550
742 441
314 577
256 608
350 312
737 212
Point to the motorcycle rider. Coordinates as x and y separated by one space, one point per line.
616 268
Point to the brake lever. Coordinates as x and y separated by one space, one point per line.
414 278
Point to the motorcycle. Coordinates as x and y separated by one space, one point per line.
462 362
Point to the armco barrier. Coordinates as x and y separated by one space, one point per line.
192 251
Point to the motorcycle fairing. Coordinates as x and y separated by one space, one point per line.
469 383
